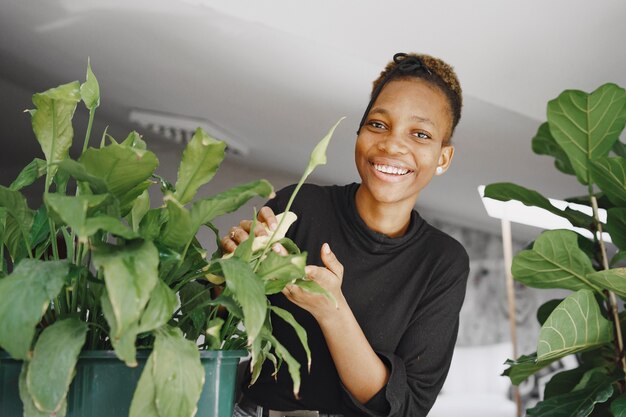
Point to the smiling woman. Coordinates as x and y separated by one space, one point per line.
384 348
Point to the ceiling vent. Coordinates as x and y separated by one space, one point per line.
180 129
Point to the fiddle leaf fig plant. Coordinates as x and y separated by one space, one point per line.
582 134
97 267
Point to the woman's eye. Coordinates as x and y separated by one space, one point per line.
422 135
376 125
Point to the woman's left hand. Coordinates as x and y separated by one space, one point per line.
329 278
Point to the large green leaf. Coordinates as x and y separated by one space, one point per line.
30 410
610 279
544 144
124 169
578 403
526 365
75 211
300 332
292 364
610 175
90 90
19 219
123 342
205 210
143 403
555 261
52 367
24 297
619 148
587 125
141 206
159 309
31 172
248 290
277 271
200 161
52 121
616 226
79 172
130 275
505 191
178 374
564 382
575 325
178 230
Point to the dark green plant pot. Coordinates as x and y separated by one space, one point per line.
104 386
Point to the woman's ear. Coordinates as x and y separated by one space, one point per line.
445 159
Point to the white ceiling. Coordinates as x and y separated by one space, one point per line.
275 75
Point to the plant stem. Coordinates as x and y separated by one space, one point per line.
92 112
612 300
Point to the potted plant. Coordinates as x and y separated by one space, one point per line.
97 272
582 134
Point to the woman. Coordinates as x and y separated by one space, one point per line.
399 282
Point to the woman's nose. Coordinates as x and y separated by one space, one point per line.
392 144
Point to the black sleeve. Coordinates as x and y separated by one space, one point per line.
420 364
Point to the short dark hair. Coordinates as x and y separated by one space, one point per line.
434 71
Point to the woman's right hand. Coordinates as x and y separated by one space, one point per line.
240 233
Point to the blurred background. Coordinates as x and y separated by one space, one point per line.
271 77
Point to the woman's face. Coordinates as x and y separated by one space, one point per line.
401 143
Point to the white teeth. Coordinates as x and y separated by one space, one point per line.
390 170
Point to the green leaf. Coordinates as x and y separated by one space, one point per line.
314 288
79 172
616 226
248 290
74 211
619 149
244 249
19 219
555 261
205 210
213 333
52 368
178 230
41 228
318 156
159 309
52 121
178 374
130 275
610 279
618 406
201 158
141 206
123 342
31 172
292 364
24 297
579 403
302 336
143 403
586 126
278 271
610 175
133 140
544 144
564 382
575 325
90 90
124 169
505 191
29 406
151 223
525 366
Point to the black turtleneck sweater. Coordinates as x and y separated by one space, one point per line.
405 292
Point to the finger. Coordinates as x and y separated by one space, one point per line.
279 249
267 216
238 235
330 260
291 291
228 245
259 229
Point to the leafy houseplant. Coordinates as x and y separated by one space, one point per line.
582 134
97 268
